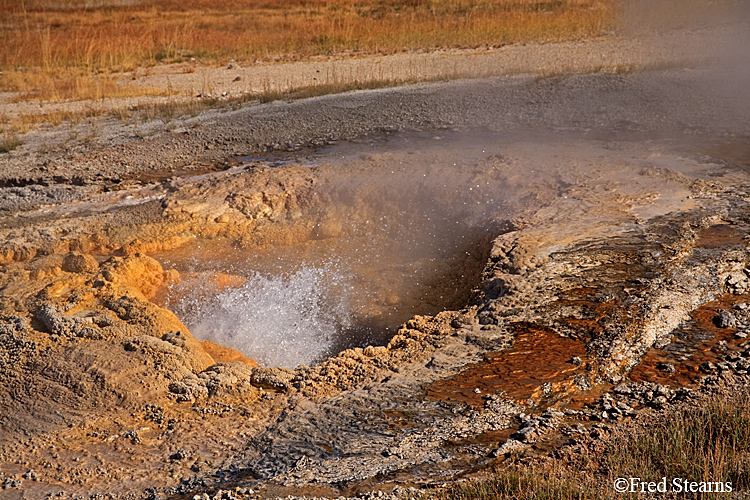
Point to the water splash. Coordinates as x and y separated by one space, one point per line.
282 320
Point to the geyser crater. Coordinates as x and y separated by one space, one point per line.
381 233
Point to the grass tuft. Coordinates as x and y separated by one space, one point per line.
531 483
9 142
709 443
66 84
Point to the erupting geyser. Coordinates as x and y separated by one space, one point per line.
345 252
283 320
341 254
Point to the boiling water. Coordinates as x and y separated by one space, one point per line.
298 304
397 228
283 319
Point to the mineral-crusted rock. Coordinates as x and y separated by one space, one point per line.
221 379
79 263
725 319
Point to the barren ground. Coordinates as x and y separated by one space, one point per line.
619 209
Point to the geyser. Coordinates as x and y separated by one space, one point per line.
283 319
341 254
372 235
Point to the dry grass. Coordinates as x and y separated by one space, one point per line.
29 121
58 50
708 442
9 142
67 50
51 49
522 483
70 84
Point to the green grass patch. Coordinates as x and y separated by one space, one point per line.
9 142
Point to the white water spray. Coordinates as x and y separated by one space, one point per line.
283 320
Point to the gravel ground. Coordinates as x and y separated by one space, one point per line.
655 103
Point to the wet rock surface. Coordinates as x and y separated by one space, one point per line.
603 247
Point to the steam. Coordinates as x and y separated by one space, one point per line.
719 81
381 248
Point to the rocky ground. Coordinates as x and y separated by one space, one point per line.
621 232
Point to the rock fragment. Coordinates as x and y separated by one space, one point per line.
725 319
79 263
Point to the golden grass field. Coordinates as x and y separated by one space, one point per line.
66 49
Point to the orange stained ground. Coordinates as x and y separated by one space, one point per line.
538 356
698 340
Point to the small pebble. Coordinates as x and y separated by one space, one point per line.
666 367
725 319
